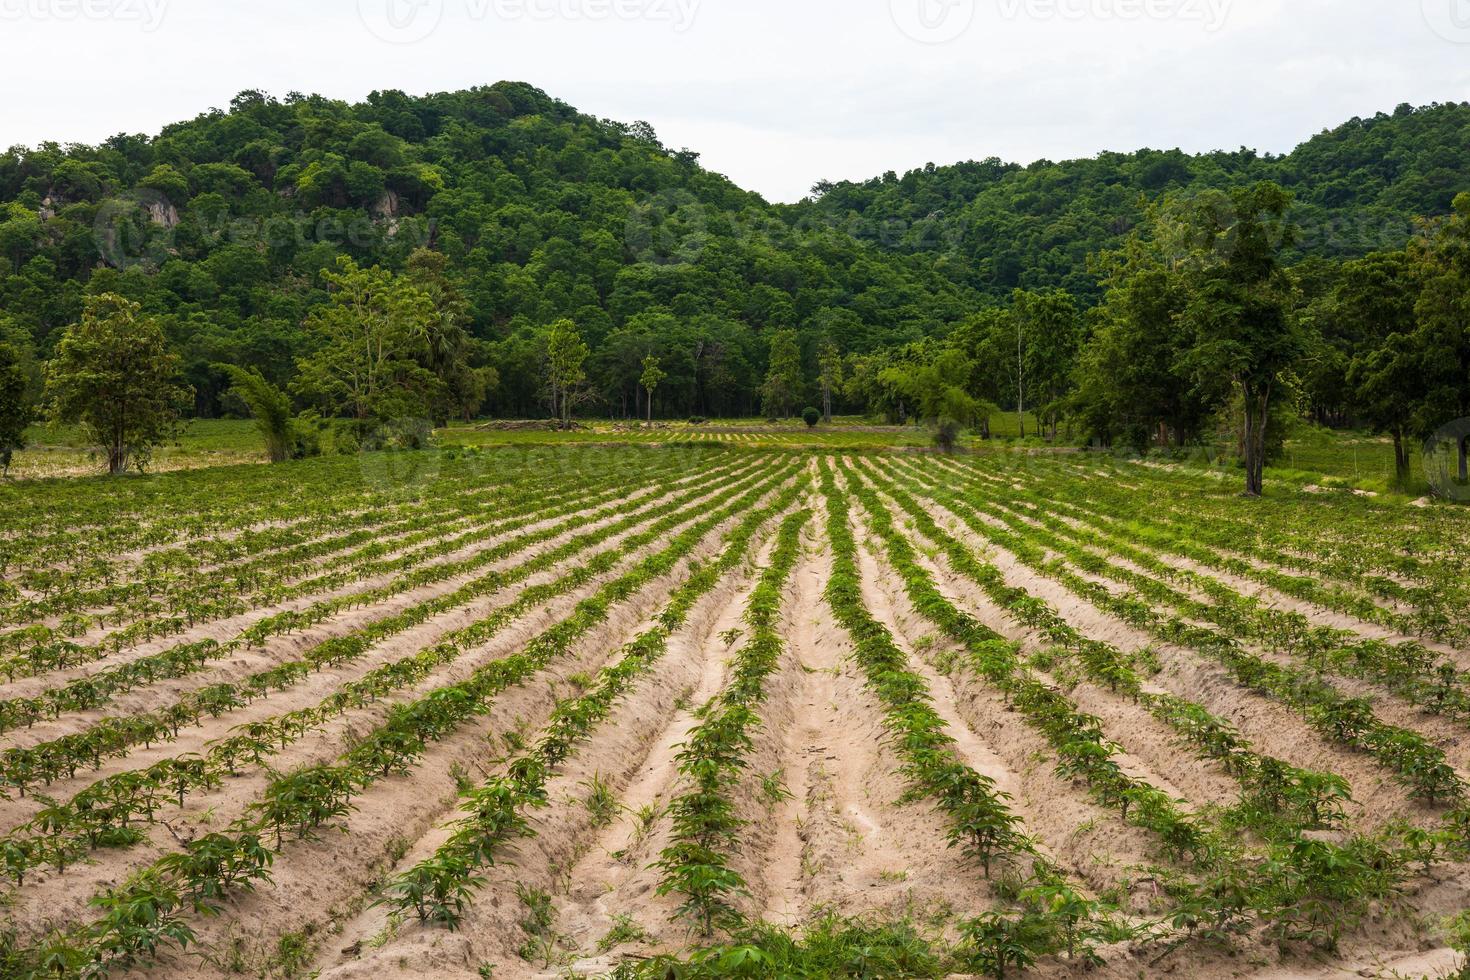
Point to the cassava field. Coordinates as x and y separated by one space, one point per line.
729 710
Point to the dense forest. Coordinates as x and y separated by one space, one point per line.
1356 189
493 251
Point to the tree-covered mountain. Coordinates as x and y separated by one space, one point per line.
231 228
225 225
998 226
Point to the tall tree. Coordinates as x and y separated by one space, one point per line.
1131 387
449 351
566 353
1238 307
114 375
829 373
369 346
783 378
1373 303
936 387
1387 384
17 403
1443 312
652 377
1048 334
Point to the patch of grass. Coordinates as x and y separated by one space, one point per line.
623 932
537 924
830 947
461 776
600 801
773 788
292 954
385 935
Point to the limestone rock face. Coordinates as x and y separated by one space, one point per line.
161 212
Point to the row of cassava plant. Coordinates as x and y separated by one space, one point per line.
64 756
245 563
438 889
706 826
78 533
298 803
103 813
1056 916
64 654
1276 796
1341 571
1415 760
94 691
1408 669
1304 888
1082 750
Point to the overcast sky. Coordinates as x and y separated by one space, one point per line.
775 93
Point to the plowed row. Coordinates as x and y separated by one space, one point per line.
733 712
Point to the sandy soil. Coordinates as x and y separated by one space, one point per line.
822 793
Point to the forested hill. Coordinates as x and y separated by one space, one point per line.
1357 189
224 225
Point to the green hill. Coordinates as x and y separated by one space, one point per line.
224 224
1358 188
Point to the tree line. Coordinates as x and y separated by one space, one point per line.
330 268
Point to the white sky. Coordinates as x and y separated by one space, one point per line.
775 93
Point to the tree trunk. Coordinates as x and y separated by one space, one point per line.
1400 457
1256 407
650 406
117 451
1465 460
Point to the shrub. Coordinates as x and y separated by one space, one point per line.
947 434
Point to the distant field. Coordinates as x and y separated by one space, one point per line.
61 451
1314 455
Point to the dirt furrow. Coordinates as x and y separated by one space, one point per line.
227 628
61 896
631 756
1271 727
315 687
